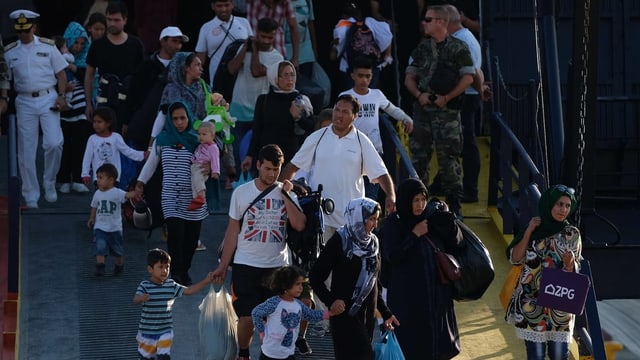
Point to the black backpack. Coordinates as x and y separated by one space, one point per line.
223 80
360 43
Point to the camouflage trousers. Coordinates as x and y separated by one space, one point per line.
442 130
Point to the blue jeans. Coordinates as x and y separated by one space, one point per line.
555 350
108 243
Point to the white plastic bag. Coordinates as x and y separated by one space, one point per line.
217 326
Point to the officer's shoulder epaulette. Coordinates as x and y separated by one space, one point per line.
10 46
47 41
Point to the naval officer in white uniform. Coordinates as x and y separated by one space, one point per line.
37 69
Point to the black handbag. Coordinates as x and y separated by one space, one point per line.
478 272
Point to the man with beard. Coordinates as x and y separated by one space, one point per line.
217 34
258 215
117 53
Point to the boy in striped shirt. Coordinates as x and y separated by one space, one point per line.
157 295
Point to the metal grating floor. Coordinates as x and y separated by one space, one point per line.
108 319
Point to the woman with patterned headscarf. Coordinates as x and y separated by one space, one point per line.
421 302
352 257
185 84
173 149
548 241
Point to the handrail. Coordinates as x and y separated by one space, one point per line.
404 157
516 212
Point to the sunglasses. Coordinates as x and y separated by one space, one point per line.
565 189
23 31
429 19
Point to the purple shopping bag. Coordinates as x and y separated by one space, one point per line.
563 290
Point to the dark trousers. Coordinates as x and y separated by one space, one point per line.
182 240
470 153
76 134
351 337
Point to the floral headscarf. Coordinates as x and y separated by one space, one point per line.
356 241
75 30
177 90
170 136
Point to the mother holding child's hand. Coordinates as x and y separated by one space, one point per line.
173 148
352 256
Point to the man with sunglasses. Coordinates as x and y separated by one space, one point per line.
37 69
439 71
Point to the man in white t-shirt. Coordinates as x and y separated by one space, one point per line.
251 65
337 157
371 102
257 230
217 34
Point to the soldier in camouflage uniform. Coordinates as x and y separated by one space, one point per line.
4 81
437 111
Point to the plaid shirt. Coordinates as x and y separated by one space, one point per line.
280 12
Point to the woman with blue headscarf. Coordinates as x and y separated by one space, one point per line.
548 241
351 255
75 127
173 148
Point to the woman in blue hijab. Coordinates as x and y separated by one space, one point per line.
173 149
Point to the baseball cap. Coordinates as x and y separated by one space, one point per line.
173 31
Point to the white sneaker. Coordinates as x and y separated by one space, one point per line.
50 194
79 187
65 188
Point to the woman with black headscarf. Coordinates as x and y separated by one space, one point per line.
548 241
351 256
421 302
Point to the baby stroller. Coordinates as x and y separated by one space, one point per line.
306 245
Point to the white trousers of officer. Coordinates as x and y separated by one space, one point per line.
33 113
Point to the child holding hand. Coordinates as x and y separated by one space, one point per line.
157 295
283 314
206 153
106 218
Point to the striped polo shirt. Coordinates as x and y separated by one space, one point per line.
156 317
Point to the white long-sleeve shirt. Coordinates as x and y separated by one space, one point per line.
106 149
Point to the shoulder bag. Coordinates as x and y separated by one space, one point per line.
448 267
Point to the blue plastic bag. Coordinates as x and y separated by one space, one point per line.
388 348
244 177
